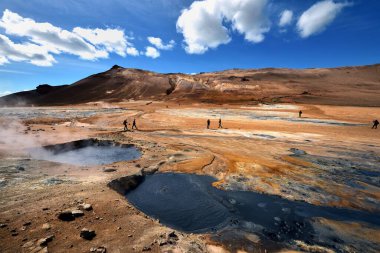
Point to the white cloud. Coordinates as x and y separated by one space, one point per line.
152 52
318 17
202 23
157 42
42 40
28 52
132 51
113 40
286 18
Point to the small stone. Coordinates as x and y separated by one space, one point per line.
2 225
147 248
28 223
118 228
20 168
66 216
46 226
85 206
45 241
77 213
28 244
87 234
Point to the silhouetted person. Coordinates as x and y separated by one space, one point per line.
220 123
208 124
300 114
134 126
125 123
375 124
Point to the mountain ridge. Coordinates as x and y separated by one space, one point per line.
357 86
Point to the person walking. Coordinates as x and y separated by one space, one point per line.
125 123
208 123
375 124
220 123
134 126
299 114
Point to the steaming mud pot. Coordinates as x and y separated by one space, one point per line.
87 152
190 203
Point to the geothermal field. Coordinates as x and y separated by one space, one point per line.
269 180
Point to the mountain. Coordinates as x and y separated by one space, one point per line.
356 86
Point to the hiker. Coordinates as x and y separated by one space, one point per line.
375 124
134 126
220 123
208 124
300 114
125 123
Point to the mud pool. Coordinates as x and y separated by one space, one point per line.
190 203
59 113
88 152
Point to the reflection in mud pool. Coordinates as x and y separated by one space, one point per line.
86 152
190 203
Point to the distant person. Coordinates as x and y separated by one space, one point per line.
134 126
125 123
208 124
375 124
220 123
299 114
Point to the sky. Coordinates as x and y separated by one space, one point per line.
60 42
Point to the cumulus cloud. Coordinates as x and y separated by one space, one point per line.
318 17
112 40
286 18
157 42
152 52
203 23
28 52
42 40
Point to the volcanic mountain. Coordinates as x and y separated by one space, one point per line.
356 86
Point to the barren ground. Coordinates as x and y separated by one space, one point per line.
329 157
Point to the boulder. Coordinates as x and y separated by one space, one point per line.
87 234
66 216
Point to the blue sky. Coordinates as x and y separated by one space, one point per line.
60 42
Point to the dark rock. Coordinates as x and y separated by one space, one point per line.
20 168
116 67
87 234
28 223
66 216
109 170
3 225
125 184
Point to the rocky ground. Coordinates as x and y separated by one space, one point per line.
330 157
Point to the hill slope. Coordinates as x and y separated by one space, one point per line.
357 86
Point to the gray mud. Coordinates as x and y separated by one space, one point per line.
64 113
86 152
190 203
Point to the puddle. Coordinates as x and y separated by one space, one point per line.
234 114
190 203
86 152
